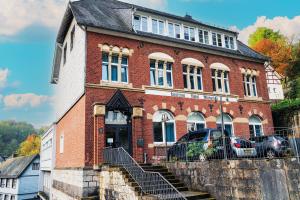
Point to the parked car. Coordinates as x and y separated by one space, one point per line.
242 147
201 145
271 146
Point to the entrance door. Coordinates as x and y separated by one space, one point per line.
118 136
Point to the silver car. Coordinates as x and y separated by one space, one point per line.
242 147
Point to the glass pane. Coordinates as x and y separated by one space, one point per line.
258 130
137 22
226 42
254 90
192 31
185 81
169 79
226 83
169 66
251 128
144 24
161 27
177 31
154 26
214 39
152 77
124 60
214 85
228 128
105 72
115 59
114 73
184 68
199 82
191 126
157 132
160 65
219 40
200 126
124 74
160 77
170 136
220 85
152 64
206 37
104 57
171 30
232 43
192 83
186 33
201 40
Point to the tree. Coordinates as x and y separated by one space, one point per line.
279 51
264 33
12 133
30 146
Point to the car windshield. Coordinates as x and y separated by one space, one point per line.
198 136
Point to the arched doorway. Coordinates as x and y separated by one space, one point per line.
118 130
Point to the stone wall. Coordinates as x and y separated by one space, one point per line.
244 179
75 184
114 187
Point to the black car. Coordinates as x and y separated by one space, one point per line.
201 145
271 146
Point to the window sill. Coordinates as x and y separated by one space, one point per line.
252 98
116 84
157 87
162 144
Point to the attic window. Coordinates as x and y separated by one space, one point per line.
35 166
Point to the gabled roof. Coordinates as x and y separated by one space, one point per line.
117 16
14 167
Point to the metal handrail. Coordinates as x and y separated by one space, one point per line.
151 183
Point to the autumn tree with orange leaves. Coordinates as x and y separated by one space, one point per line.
30 146
279 51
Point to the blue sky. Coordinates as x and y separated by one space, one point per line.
27 42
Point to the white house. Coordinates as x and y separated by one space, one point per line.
19 178
274 83
47 163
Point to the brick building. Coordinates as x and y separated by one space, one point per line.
138 78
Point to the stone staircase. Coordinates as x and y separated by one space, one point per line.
190 195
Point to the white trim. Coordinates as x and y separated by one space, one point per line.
161 56
192 61
219 66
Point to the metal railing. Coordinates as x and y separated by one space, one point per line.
280 143
151 183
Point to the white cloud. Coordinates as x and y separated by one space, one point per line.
288 27
24 100
3 77
16 15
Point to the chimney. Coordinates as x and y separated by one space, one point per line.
187 16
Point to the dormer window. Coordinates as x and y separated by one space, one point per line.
229 42
158 26
189 33
217 39
203 37
140 23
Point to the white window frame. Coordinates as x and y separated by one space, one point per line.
250 80
164 72
195 122
141 27
195 77
119 67
158 26
189 29
164 128
256 124
202 38
224 81
219 123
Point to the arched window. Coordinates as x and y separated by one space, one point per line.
161 66
195 121
164 127
220 78
192 74
228 125
255 126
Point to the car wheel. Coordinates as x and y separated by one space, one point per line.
202 157
271 154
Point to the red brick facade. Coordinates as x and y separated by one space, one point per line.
92 142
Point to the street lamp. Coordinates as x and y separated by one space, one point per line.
164 119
